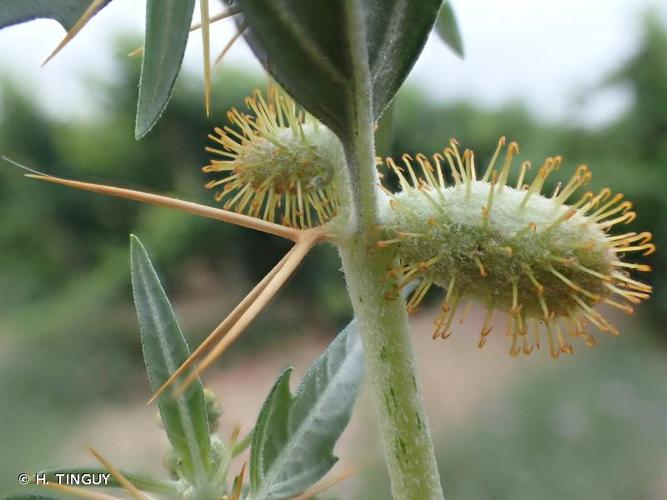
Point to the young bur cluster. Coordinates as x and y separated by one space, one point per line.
545 261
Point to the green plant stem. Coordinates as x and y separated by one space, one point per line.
383 322
391 367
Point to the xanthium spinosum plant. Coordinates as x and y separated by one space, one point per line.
544 260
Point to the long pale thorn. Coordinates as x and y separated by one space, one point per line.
214 19
95 6
238 484
229 44
223 327
324 485
206 44
165 201
294 259
183 206
232 11
131 489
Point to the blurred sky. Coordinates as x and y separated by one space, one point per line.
540 53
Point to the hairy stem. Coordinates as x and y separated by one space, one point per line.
383 322
391 367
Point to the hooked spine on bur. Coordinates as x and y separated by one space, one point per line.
542 261
279 163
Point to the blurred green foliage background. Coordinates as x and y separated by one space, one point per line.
67 325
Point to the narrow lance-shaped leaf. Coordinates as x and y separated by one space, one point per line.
293 441
305 44
167 29
447 28
66 12
164 348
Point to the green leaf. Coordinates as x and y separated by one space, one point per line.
167 28
66 12
141 482
293 441
164 348
307 47
448 28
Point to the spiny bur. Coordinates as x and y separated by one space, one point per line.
279 163
545 261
